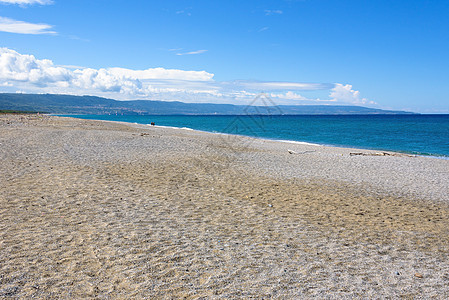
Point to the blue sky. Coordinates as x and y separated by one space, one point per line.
385 54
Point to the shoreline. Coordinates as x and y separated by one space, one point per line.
437 156
443 157
94 209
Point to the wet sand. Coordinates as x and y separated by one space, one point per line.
100 209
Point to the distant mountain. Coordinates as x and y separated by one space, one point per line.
67 104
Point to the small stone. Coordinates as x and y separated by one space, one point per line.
419 275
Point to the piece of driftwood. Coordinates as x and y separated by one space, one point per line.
304 152
380 154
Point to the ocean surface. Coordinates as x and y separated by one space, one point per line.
415 134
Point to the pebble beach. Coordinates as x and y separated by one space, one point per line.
96 209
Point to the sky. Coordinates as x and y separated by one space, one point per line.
373 53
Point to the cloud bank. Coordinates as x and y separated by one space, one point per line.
26 73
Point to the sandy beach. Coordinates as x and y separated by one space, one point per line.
92 209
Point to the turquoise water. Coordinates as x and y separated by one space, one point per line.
416 134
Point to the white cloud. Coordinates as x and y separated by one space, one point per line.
269 12
289 96
28 72
192 52
14 26
26 68
31 75
345 93
27 2
183 12
265 86
161 73
295 98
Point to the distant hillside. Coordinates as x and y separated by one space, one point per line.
66 104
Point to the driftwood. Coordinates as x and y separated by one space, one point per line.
304 152
380 154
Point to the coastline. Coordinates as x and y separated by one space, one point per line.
259 135
105 209
300 142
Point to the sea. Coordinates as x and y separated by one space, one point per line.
426 135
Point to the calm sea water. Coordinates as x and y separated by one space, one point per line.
417 134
